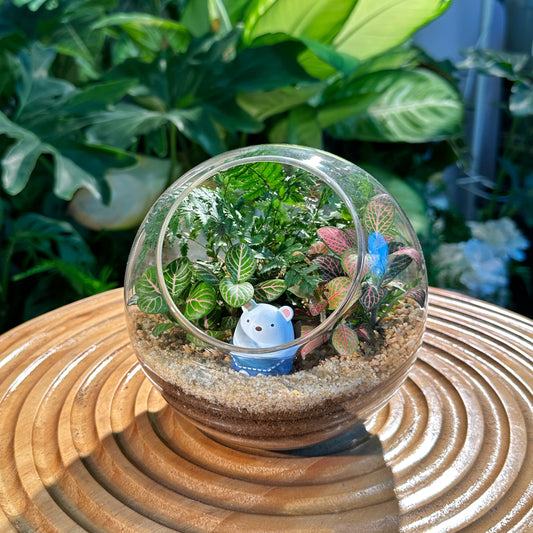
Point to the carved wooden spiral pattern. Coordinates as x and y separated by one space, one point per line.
87 444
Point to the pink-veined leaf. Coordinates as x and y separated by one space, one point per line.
315 343
329 267
236 294
349 262
240 263
363 333
345 339
379 215
201 300
336 291
229 322
396 264
162 327
417 294
370 297
318 248
177 276
317 306
269 290
150 300
411 252
336 239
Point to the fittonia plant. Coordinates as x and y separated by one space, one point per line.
209 300
386 258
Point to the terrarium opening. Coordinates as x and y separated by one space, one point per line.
243 259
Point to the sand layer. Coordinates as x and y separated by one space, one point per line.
207 377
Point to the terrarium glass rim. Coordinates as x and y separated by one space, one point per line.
201 173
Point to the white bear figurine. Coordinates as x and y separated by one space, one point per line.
261 326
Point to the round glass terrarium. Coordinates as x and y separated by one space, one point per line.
276 296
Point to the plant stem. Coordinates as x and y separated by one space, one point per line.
173 140
508 152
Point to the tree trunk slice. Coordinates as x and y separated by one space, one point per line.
88 444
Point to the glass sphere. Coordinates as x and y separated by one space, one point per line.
276 295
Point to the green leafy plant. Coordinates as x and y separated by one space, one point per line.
253 223
90 88
250 261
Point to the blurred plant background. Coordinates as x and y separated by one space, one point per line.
104 103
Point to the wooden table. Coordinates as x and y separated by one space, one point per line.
86 443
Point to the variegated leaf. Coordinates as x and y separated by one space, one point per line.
240 263
150 300
201 301
177 276
203 273
162 327
318 248
370 297
411 252
379 215
345 339
269 290
336 239
317 306
229 322
349 262
417 294
236 294
363 332
315 343
337 289
329 267
396 264
211 320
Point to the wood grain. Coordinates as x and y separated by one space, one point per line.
87 444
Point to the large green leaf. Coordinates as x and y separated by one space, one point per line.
133 190
397 106
264 104
20 158
374 27
319 20
149 33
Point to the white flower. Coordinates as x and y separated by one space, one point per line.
503 236
487 272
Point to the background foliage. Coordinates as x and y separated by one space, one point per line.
104 103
